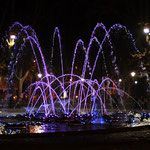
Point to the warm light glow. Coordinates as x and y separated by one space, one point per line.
133 74
15 97
146 30
11 42
39 75
76 67
65 94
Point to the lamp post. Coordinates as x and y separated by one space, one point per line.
11 41
11 70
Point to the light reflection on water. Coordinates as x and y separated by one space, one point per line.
49 128
37 129
42 129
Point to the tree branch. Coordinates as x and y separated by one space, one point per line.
25 76
17 75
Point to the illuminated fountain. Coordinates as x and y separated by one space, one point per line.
73 98
73 93
77 94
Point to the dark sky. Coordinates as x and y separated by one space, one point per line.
75 18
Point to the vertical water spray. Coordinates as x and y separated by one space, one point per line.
88 95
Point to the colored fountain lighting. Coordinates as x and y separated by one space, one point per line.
73 93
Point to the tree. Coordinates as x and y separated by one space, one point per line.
20 58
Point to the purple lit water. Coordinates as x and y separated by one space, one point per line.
83 95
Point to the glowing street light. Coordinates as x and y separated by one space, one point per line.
39 75
11 41
13 37
146 30
133 74
136 82
120 80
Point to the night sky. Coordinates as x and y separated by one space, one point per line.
75 18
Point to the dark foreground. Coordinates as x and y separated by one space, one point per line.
115 139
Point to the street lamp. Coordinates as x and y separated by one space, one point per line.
11 41
120 80
136 82
146 30
13 37
39 75
133 74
